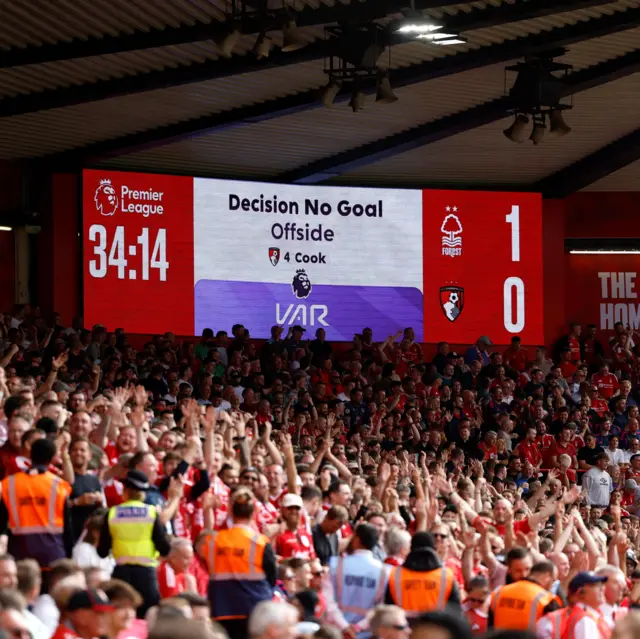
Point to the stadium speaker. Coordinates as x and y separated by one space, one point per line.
517 132
292 40
557 126
262 47
357 101
537 135
385 94
228 43
330 92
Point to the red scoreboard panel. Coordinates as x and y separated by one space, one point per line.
482 257
138 251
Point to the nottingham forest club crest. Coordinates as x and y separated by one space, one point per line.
451 301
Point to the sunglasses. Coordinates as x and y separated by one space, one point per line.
474 600
317 574
250 478
440 536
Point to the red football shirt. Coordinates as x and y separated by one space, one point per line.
607 384
294 544
170 583
574 347
517 359
529 452
518 526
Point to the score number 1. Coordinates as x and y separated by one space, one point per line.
512 283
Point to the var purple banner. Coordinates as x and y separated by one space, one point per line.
341 310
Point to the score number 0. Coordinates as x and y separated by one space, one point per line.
512 283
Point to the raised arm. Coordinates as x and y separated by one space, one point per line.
290 464
272 449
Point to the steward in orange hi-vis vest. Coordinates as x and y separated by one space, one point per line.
520 605
241 565
34 510
422 584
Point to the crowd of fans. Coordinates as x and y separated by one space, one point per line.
494 467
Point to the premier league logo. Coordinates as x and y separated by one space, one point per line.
301 285
451 301
274 255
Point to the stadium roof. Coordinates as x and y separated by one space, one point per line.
142 85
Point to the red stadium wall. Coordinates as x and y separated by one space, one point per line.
10 196
572 288
604 288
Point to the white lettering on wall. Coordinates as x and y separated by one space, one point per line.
618 286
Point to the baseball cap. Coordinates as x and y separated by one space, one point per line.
486 340
290 500
297 327
93 599
586 578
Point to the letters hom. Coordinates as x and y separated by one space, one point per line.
618 286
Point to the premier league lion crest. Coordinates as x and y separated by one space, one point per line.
451 301
105 198
301 285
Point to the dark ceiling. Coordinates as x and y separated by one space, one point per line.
141 85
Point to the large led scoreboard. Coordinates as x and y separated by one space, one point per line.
182 254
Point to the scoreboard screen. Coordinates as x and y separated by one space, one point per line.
183 254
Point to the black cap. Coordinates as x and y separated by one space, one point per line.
586 578
297 327
422 540
137 480
93 599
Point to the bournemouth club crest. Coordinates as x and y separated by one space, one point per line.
274 255
451 301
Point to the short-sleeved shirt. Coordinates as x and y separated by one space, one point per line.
294 544
170 583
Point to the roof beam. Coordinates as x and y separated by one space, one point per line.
200 31
451 125
508 13
594 167
304 101
200 72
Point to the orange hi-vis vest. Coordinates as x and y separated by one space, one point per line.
520 605
419 591
35 503
564 621
237 582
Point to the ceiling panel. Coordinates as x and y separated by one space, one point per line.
485 155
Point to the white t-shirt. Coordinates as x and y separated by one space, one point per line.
598 486
46 610
616 456
86 556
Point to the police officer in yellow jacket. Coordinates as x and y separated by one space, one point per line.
135 536
520 605
422 583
